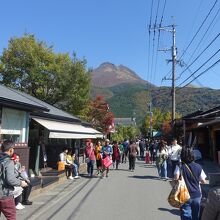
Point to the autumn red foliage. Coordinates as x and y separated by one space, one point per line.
101 118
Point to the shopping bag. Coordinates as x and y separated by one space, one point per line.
179 193
87 160
61 166
107 162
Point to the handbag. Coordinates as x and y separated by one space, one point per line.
179 193
61 166
87 160
107 162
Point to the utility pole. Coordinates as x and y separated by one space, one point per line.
173 74
174 62
151 119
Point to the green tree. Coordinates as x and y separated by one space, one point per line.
76 88
32 67
158 120
125 132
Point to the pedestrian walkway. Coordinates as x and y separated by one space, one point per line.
123 195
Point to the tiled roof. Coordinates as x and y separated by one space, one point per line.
17 96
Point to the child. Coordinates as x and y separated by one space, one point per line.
147 158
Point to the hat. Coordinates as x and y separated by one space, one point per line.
107 140
14 156
6 145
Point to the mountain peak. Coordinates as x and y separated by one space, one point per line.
109 75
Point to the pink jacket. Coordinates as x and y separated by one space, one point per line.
90 152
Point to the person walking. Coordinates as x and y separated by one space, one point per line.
121 147
132 153
142 147
116 155
147 157
174 153
8 181
98 156
193 175
161 162
90 157
153 151
125 151
106 152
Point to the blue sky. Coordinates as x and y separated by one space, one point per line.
116 31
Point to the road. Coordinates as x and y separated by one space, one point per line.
123 195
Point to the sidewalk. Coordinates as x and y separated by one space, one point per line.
107 198
60 180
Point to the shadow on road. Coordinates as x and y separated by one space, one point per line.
120 169
147 166
172 211
144 177
89 177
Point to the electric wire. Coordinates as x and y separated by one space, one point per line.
200 67
158 40
199 55
164 6
209 26
200 27
153 49
206 70
149 43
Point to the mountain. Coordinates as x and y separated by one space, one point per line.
109 75
129 95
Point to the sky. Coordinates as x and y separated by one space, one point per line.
117 31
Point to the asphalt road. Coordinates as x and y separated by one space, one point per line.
123 195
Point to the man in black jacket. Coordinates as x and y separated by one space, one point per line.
142 147
8 181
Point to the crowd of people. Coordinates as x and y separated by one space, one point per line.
171 161
107 154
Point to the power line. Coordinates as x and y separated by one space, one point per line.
158 41
153 49
199 55
199 28
209 26
214 64
164 6
194 77
149 41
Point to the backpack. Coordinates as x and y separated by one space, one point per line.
2 177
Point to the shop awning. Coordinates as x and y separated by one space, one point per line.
65 130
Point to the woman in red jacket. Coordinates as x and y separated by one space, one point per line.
116 155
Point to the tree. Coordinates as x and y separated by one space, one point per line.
125 132
100 116
76 89
160 122
32 67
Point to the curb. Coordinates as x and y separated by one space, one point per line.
62 178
